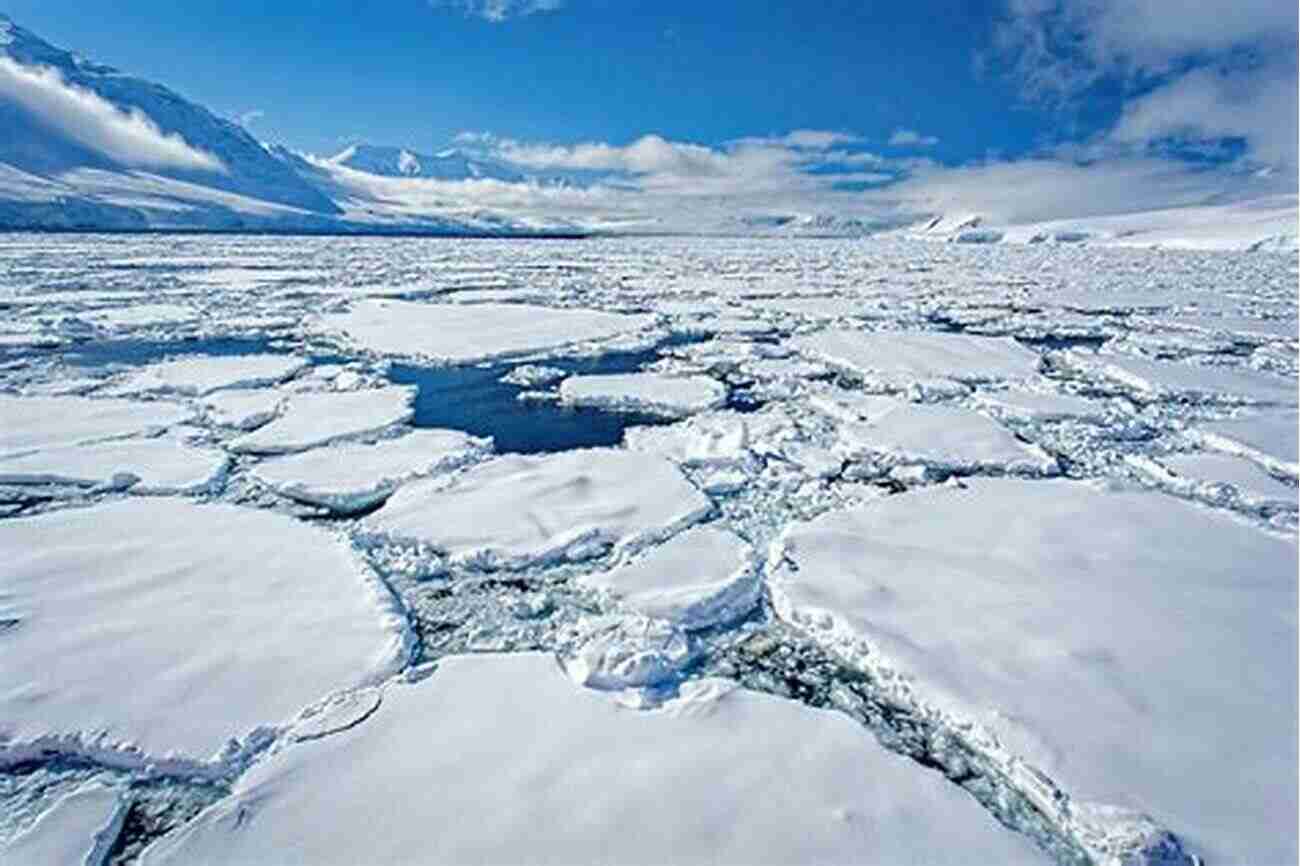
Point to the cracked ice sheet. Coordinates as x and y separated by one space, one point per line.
352 477
1040 406
1107 637
200 376
947 437
1192 471
162 465
670 396
697 579
466 333
174 627
78 830
314 418
518 510
31 423
901 358
1274 436
545 773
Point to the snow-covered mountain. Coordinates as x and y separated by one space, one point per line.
451 164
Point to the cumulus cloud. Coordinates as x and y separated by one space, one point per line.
126 137
911 138
498 11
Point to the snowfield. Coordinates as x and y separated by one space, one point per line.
659 550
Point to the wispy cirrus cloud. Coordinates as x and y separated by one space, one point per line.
129 138
911 138
498 11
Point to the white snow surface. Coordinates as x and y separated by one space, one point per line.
517 510
173 627
1107 637
1174 378
32 423
1044 406
352 477
899 359
243 409
1272 438
199 376
1250 482
78 830
465 333
670 396
314 418
162 465
498 759
697 579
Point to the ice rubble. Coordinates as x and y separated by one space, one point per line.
200 376
352 477
900 359
670 396
33 423
160 465
697 579
529 771
1065 621
78 830
516 510
946 439
314 418
172 627
459 334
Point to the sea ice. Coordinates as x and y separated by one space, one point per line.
32 423
947 438
465 333
670 396
243 409
1200 475
199 376
159 465
525 769
1106 637
353 477
1272 438
315 418
517 510
78 830
900 359
174 627
697 579
1163 379
1038 406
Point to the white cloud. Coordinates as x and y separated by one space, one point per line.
911 138
129 138
497 11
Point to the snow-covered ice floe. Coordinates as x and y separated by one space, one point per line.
670 396
466 333
1036 406
160 465
78 830
701 577
1139 650
199 376
1216 479
314 418
1271 439
498 759
1149 380
514 511
353 477
34 423
155 630
243 409
899 359
945 440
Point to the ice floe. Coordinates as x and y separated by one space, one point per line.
199 376
160 465
671 396
525 770
353 477
1151 380
515 510
171 627
1065 620
243 409
1272 439
458 334
900 359
314 418
33 423
78 830
699 578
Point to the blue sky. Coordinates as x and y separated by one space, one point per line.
1015 107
